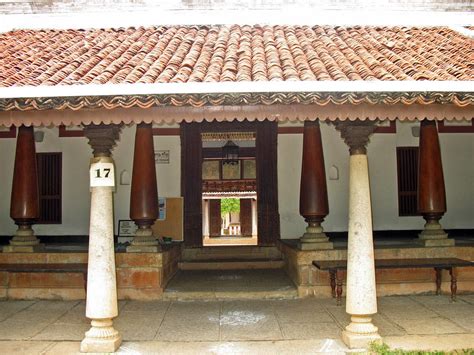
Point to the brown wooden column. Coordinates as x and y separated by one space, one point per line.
24 203
431 192
314 206
144 191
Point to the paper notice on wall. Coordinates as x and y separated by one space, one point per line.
162 208
102 174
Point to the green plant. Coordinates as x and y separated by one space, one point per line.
229 205
384 349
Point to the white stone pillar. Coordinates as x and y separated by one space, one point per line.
101 304
254 218
205 218
361 296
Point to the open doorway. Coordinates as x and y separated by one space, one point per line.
201 147
229 189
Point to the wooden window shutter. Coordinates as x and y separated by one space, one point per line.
407 171
50 184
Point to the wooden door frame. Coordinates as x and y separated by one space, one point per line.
267 177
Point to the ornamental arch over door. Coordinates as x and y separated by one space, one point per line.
267 179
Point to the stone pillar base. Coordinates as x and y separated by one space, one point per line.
434 236
144 242
143 249
314 238
360 332
24 241
101 338
359 341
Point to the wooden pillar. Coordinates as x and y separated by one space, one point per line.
431 192
101 303
314 206
24 203
144 191
361 296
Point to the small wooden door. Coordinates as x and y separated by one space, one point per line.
215 218
246 216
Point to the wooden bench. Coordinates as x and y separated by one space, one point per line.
47 268
438 264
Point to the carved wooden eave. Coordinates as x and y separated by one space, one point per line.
197 102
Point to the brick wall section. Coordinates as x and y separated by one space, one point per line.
140 276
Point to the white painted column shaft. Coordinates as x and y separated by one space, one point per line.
361 293
101 280
205 217
101 303
254 217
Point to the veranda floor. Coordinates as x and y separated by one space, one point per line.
301 326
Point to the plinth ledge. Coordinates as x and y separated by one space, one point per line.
143 249
23 248
360 341
315 246
436 242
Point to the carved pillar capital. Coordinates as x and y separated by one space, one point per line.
356 134
102 138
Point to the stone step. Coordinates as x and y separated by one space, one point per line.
238 264
284 294
231 253
230 285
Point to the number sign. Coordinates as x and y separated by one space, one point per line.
102 174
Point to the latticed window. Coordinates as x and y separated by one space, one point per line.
49 184
407 171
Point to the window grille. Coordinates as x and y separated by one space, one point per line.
407 171
49 184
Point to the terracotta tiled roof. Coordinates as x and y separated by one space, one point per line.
232 53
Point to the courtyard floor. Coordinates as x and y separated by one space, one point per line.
300 326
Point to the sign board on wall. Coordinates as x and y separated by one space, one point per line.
162 156
126 230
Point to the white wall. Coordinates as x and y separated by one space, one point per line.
75 189
457 153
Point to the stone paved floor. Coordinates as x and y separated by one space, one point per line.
301 326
